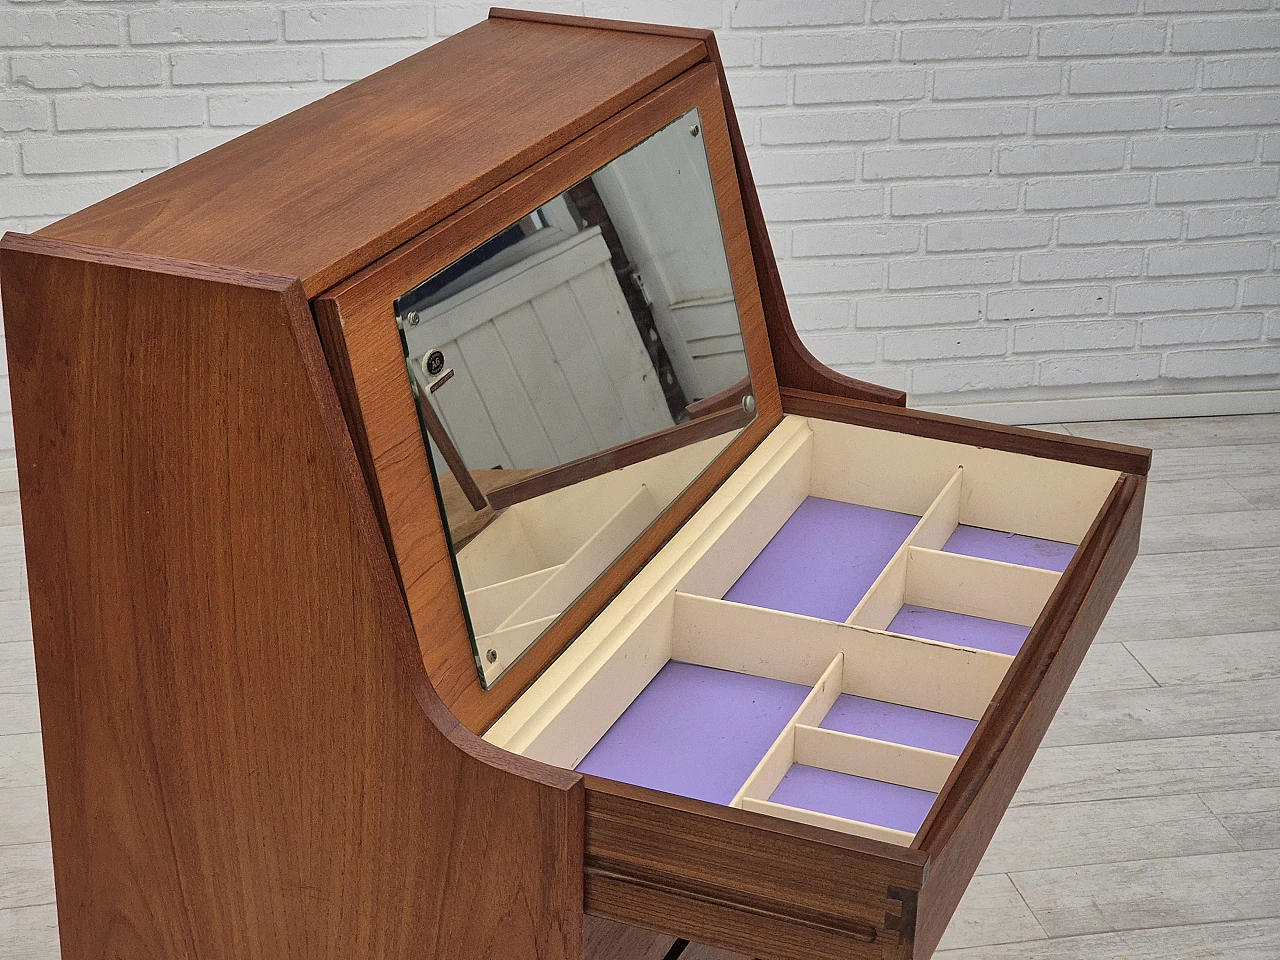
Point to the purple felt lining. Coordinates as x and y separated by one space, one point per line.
695 731
854 798
1010 547
898 724
960 629
823 560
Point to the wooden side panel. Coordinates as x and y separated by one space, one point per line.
769 888
245 757
323 191
988 774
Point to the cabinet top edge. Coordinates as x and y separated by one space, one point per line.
322 191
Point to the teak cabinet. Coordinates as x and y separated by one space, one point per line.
279 717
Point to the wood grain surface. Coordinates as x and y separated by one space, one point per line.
358 325
244 754
743 881
323 191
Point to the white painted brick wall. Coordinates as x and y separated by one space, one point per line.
997 202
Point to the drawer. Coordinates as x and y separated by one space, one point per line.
801 722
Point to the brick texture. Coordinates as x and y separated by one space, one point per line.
976 200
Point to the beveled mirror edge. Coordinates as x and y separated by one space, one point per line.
379 403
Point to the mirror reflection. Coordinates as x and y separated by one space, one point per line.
573 374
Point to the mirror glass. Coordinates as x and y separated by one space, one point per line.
573 374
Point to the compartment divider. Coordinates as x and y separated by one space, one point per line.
773 766
911 671
978 587
507 643
933 529
875 759
857 828
589 560
490 606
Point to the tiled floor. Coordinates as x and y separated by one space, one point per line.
1148 827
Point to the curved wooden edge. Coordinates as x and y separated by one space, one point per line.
978 433
279 770
969 808
797 368
361 501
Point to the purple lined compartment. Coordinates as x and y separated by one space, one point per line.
895 723
1010 547
854 798
695 731
823 560
960 629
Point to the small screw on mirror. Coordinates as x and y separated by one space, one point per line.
413 318
694 130
749 403
491 656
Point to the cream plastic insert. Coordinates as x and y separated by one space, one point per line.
522 570
671 611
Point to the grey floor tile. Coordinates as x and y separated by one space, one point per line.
15 621
1211 531
1166 892
1152 768
1262 490
991 912
17 667
21 760
1110 666
1199 660
1240 940
26 875
1184 431
1180 498
1252 816
30 933
1156 713
1104 831
24 815
1200 463
19 712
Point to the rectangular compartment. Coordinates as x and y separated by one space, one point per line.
804 647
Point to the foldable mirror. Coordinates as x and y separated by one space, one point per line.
572 375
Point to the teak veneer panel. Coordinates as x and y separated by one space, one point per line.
357 321
323 191
244 753
772 888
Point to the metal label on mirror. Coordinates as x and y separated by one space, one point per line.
573 374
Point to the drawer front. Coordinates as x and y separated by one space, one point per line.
742 881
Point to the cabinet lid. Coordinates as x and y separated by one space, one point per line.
323 191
